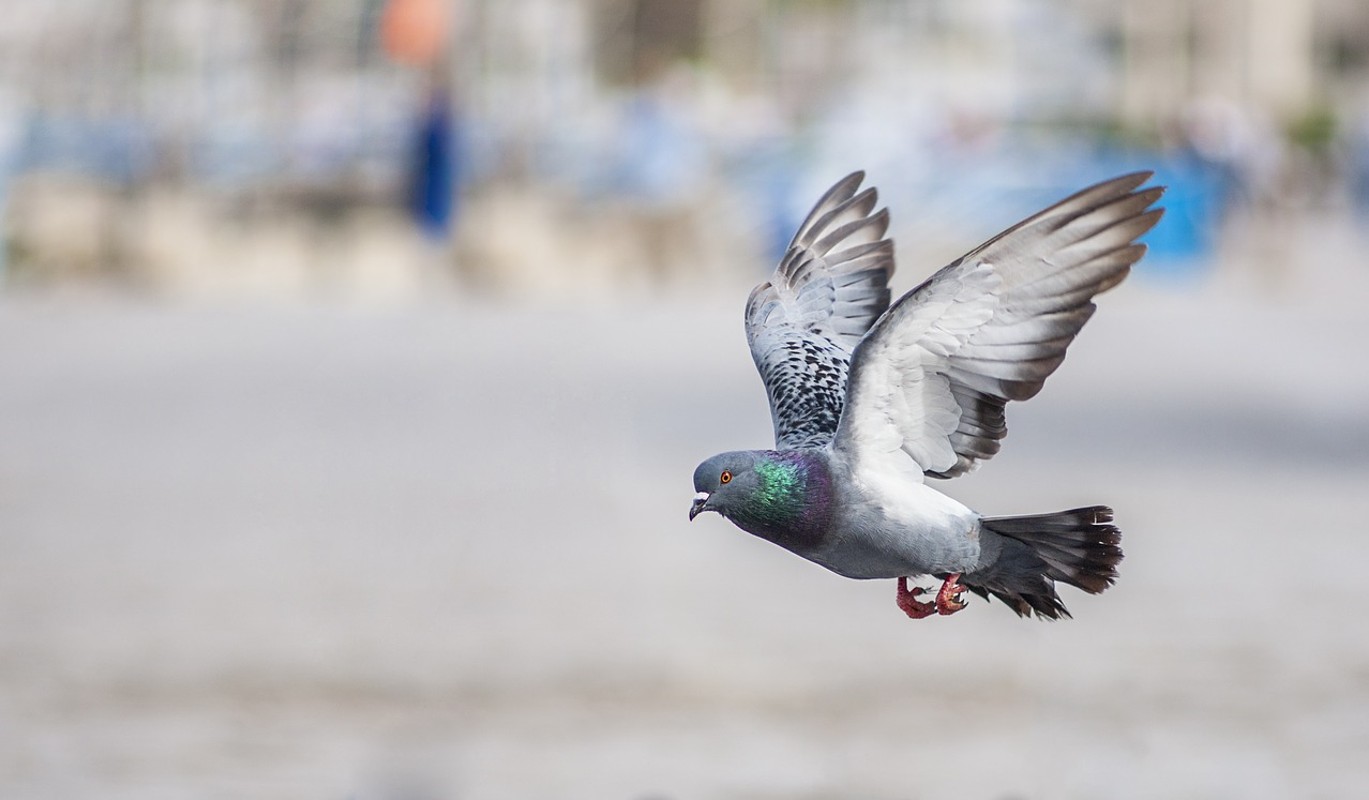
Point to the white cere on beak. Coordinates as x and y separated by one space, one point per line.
701 496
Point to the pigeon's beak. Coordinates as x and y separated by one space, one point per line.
697 508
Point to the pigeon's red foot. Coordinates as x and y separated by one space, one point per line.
950 598
913 607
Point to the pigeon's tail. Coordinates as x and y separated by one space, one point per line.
1078 547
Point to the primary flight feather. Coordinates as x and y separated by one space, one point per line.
868 398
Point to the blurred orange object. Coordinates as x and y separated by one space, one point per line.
415 31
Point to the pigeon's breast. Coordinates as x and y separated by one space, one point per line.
889 525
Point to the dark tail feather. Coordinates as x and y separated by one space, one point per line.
1078 547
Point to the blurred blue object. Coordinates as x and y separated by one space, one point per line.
1185 240
1183 243
435 171
973 195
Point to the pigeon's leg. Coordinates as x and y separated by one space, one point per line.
907 600
950 598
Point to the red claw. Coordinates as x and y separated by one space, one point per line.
907 600
950 598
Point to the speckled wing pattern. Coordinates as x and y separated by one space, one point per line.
804 323
932 377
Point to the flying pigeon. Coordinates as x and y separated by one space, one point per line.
869 399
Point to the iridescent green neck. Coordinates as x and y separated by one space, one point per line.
791 502
779 497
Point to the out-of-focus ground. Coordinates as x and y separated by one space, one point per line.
441 551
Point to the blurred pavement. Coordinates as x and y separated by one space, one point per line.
442 552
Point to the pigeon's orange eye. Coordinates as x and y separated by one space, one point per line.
726 477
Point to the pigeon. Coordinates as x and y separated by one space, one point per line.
869 400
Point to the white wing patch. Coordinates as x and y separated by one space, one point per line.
902 392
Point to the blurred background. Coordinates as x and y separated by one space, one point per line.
355 357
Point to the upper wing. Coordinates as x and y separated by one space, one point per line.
932 377
803 323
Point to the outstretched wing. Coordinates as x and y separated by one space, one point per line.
933 375
804 323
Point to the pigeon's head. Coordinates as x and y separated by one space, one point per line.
726 482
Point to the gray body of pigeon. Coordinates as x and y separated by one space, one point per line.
869 399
